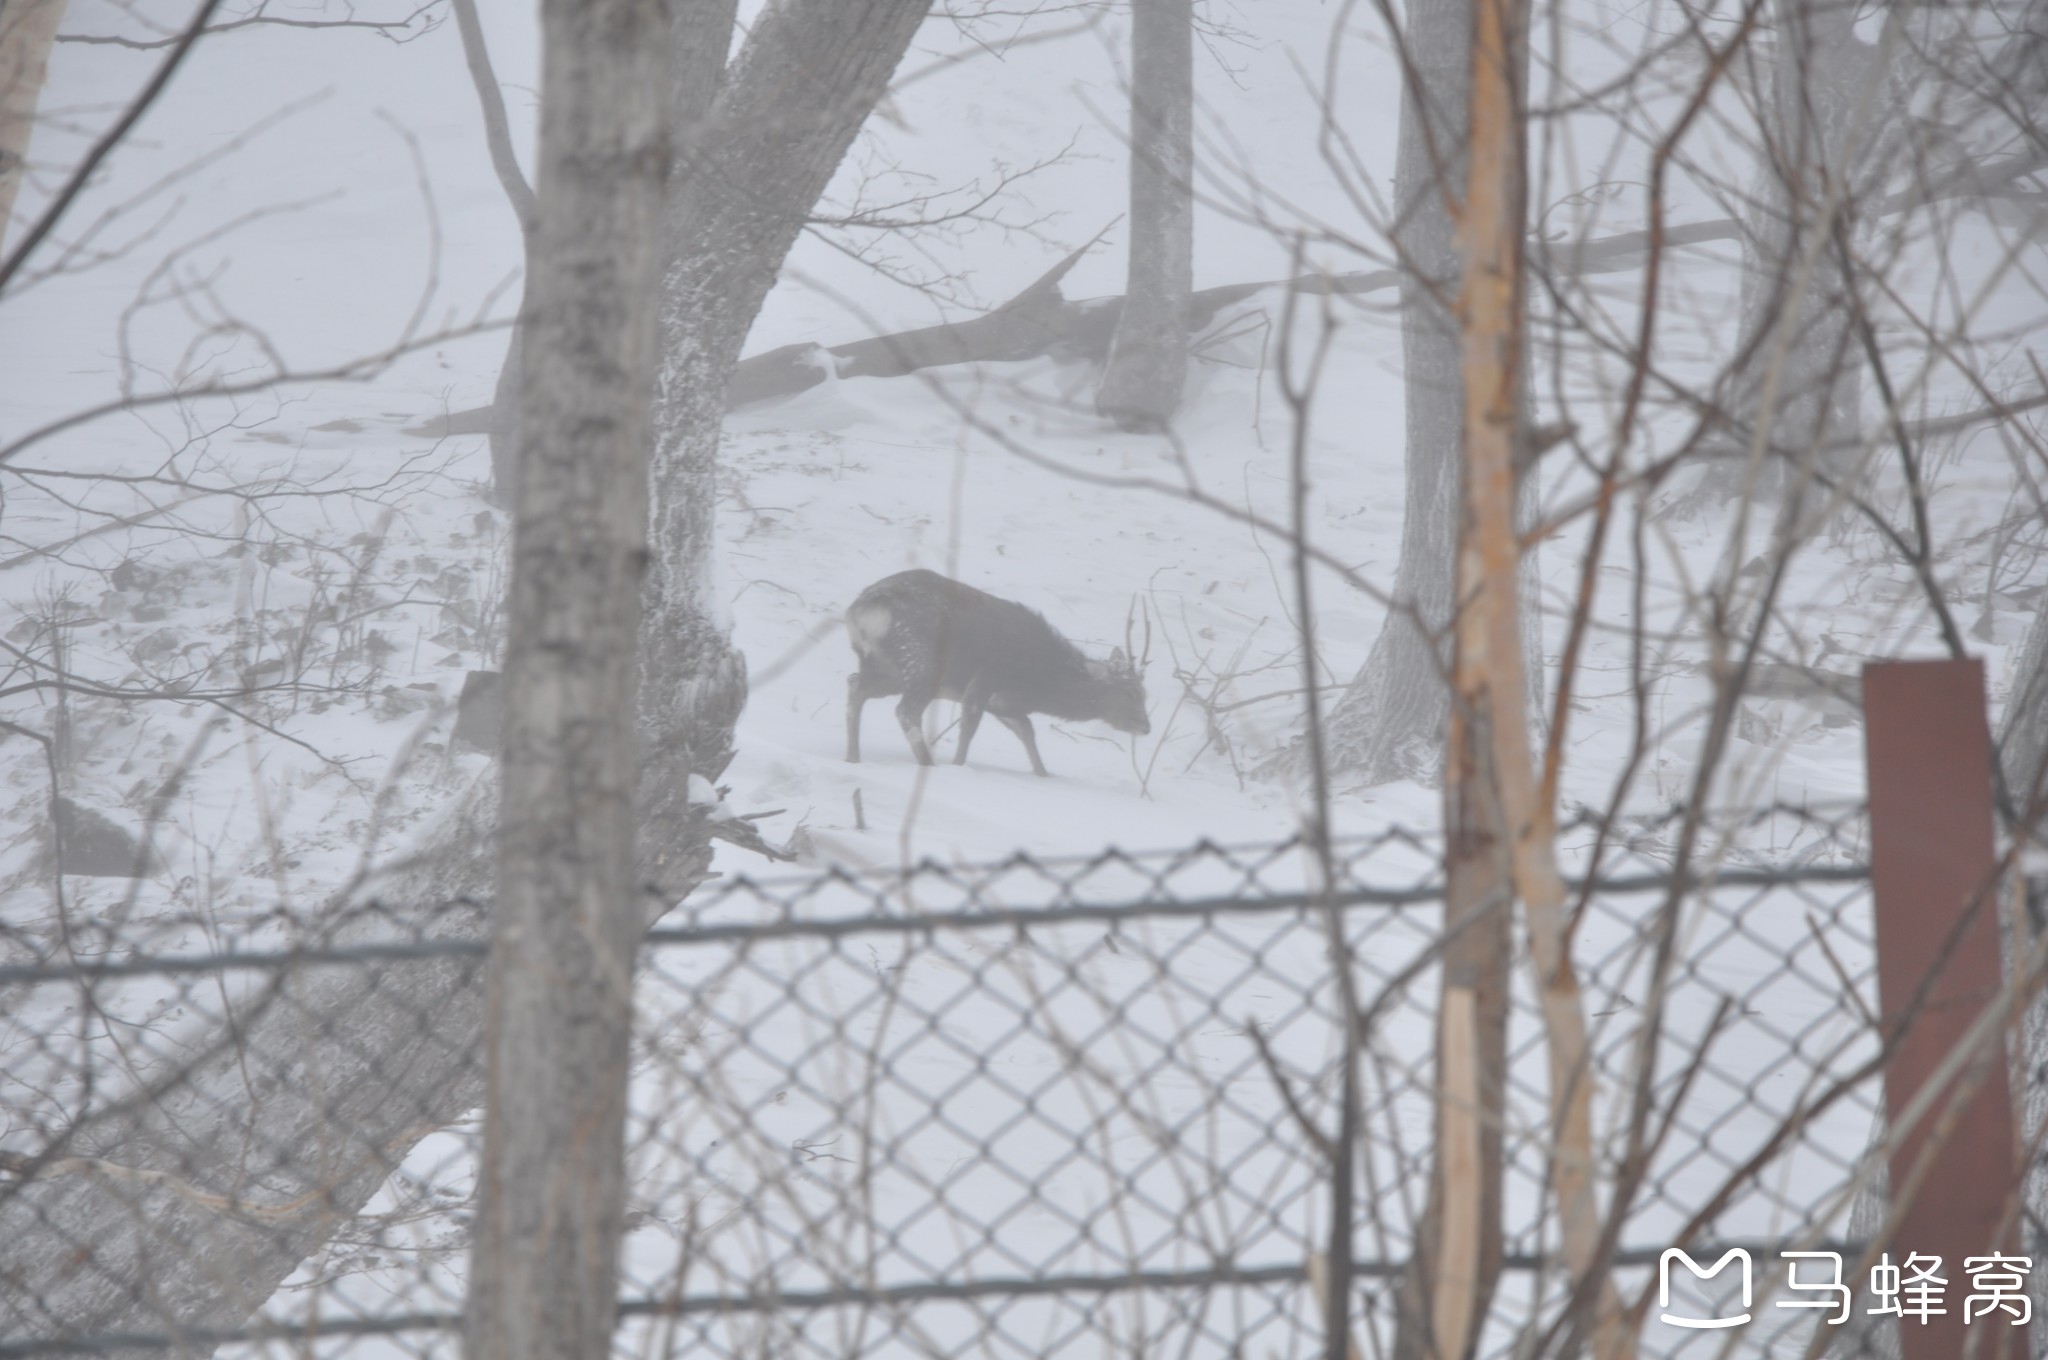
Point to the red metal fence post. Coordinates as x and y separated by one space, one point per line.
1932 863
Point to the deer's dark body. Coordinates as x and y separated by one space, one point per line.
925 637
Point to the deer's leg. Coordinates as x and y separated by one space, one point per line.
1021 725
972 705
857 696
910 717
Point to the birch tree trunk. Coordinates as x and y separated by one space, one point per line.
1148 358
1491 709
283 1121
551 1183
1395 719
1455 1263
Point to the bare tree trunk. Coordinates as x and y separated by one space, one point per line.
504 160
1795 389
1390 722
1488 668
505 406
1456 1261
1392 719
507 415
551 1184
2023 734
751 163
1148 359
295 1111
1819 392
302 1109
28 30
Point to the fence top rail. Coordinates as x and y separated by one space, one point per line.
743 933
1838 823
1222 1274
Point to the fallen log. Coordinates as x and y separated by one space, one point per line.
1037 322
1028 325
1041 320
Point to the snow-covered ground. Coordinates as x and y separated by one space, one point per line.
301 198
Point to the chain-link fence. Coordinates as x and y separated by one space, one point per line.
1046 1106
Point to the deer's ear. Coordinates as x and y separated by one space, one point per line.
1119 661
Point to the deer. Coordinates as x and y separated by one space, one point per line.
925 637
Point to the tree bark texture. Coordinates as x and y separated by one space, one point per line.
1491 703
1455 1263
278 1126
1148 359
296 1112
1390 722
751 162
28 30
551 1181
507 415
1391 719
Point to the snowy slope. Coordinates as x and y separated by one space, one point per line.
328 195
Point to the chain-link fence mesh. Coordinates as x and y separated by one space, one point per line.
1041 1107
